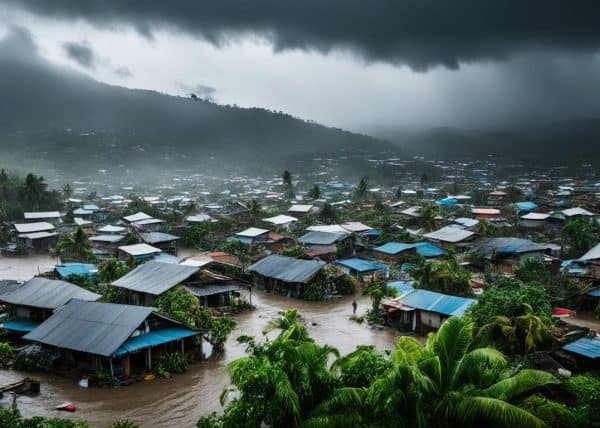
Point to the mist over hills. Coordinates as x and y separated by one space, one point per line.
50 110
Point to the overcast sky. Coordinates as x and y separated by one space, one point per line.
352 64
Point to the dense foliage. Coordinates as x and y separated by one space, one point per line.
444 276
291 381
74 246
31 193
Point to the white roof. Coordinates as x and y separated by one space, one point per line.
81 222
81 211
397 204
111 229
33 227
356 226
577 211
412 211
197 261
535 216
300 208
460 197
107 238
449 234
41 214
137 217
331 228
409 192
280 219
466 222
198 218
38 235
139 249
148 221
252 232
593 254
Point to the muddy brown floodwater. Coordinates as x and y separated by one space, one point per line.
179 402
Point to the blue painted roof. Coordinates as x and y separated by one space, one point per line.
426 249
373 232
526 206
586 346
67 269
447 201
401 286
362 265
436 302
20 325
594 293
167 258
154 338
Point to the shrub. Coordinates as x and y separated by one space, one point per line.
345 284
314 291
6 352
172 363
586 390
123 423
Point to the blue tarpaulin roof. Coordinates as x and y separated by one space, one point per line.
154 338
362 265
447 201
20 325
67 269
436 302
586 346
426 249
526 206
594 293
401 286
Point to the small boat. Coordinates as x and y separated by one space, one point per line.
67 407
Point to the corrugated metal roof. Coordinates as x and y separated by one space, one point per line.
41 214
137 217
321 238
209 290
33 227
300 208
436 302
140 249
592 254
329 228
466 222
287 269
111 229
450 234
577 211
394 247
47 294
107 238
252 232
586 346
8 286
155 277
280 219
154 338
158 237
490 246
401 286
92 327
362 265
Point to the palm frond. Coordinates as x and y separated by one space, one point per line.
491 411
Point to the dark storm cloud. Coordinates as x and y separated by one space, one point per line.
420 33
81 53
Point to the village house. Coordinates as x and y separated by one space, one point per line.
285 275
282 221
302 210
36 300
38 236
273 241
326 245
163 241
533 221
450 235
423 311
398 252
140 252
505 254
122 340
53 217
215 290
106 245
366 271
152 279
486 214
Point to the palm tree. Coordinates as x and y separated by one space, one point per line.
314 192
427 219
67 191
521 334
288 184
75 246
360 191
33 191
254 209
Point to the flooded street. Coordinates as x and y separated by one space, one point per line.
180 401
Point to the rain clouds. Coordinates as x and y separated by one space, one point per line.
419 33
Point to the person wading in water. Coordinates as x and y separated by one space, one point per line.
354 306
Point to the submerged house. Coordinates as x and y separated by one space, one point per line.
37 299
139 252
366 271
152 279
285 275
213 289
119 339
423 311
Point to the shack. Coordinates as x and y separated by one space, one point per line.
106 245
140 252
504 254
164 241
397 252
106 337
326 245
38 236
423 311
285 275
453 235
366 271
36 299
151 279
